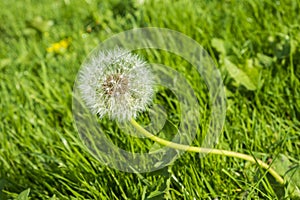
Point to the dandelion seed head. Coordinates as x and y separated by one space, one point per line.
116 83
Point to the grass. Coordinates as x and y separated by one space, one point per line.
40 148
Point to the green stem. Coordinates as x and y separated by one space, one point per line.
277 177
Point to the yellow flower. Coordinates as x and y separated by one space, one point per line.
59 47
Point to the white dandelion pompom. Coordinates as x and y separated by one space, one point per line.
116 83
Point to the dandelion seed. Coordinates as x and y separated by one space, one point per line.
116 83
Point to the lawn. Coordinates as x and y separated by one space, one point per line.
254 44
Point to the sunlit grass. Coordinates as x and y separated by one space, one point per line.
41 150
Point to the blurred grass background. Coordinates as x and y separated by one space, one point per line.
43 44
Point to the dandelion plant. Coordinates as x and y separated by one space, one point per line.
118 84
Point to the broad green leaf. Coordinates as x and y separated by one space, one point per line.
219 45
155 194
238 75
264 60
24 195
39 24
252 71
290 172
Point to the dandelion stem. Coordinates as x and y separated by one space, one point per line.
277 177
